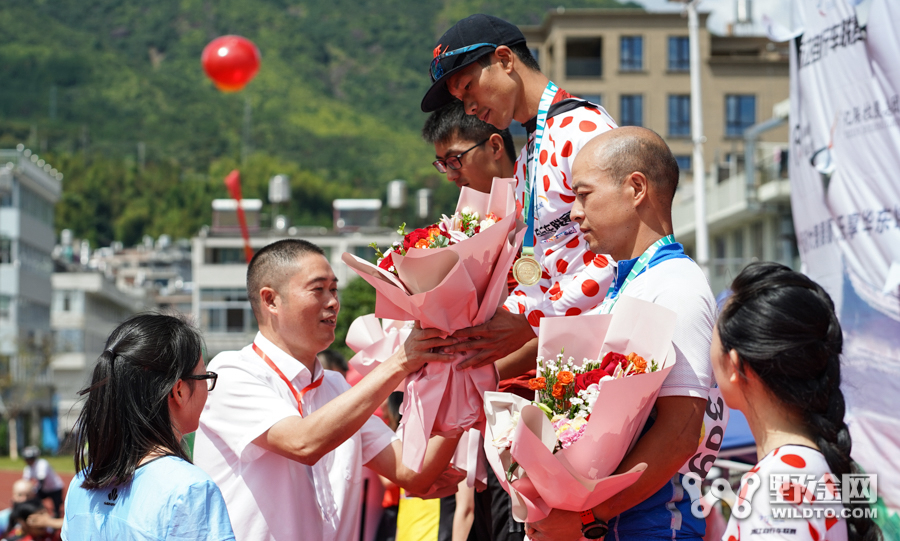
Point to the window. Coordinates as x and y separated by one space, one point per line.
226 310
35 205
632 110
5 307
584 57
593 98
740 113
34 259
631 55
516 129
227 256
680 115
679 53
6 251
69 341
684 163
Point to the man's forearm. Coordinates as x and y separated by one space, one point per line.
519 362
308 439
389 464
668 444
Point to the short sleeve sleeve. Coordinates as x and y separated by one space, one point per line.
200 514
243 406
690 298
375 437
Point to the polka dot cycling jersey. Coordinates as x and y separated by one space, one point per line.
574 280
794 497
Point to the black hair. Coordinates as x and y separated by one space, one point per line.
333 360
22 510
451 120
647 153
521 50
274 264
126 415
783 327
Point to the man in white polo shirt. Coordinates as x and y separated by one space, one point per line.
624 181
285 451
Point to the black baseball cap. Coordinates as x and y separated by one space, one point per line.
473 30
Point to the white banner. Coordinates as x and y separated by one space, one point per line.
845 186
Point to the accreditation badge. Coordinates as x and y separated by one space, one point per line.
527 271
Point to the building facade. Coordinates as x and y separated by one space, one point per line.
86 307
637 65
29 190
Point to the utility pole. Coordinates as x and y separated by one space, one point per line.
245 136
701 230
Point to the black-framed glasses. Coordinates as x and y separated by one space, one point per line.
210 377
454 162
437 71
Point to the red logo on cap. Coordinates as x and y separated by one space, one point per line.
437 50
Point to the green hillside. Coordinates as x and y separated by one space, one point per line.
335 105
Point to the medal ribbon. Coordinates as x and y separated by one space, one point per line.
611 296
297 396
532 161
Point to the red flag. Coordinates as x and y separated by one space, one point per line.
233 183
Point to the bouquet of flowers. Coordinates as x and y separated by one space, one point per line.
554 452
451 230
448 276
567 392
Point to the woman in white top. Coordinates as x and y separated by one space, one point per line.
776 355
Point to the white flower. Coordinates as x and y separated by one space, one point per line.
486 223
467 210
503 441
576 401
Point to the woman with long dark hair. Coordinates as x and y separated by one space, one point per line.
136 480
776 355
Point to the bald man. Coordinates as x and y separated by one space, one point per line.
624 181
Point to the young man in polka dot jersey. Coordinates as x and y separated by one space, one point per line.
484 62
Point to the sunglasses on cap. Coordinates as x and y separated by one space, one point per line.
437 71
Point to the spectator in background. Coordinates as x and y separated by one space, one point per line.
22 491
26 527
332 360
47 482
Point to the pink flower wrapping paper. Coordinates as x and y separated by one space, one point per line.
449 289
581 476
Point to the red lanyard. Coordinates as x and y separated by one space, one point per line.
297 396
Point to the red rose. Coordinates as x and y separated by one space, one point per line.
387 262
410 240
611 360
583 380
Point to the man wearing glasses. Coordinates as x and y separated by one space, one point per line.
285 440
484 63
472 153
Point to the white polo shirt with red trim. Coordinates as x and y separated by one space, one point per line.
268 496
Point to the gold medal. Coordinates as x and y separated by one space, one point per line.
527 271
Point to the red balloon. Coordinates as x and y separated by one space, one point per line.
231 62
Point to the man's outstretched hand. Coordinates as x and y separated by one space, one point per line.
502 335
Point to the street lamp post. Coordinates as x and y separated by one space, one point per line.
701 230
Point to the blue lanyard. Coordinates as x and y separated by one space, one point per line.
611 295
532 161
